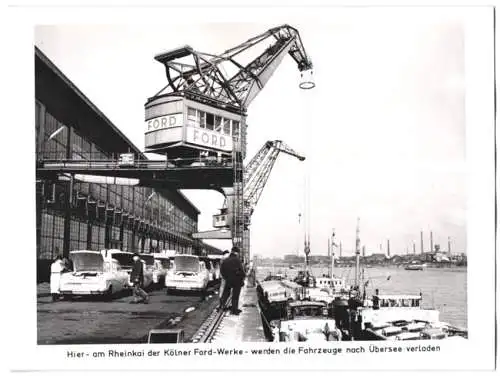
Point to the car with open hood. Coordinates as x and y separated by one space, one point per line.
188 273
126 261
93 274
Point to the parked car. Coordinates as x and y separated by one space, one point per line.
162 266
93 274
210 268
216 262
126 261
187 273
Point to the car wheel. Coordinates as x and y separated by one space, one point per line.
204 293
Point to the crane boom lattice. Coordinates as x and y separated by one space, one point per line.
204 77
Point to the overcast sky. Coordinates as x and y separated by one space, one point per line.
385 121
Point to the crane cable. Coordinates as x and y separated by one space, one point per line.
307 170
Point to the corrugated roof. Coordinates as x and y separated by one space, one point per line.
87 101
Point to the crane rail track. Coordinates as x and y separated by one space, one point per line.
208 329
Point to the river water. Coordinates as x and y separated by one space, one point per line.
444 289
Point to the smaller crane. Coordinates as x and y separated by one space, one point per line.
256 174
259 168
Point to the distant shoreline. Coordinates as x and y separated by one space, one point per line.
369 266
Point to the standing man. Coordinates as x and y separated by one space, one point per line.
56 269
137 279
234 275
225 255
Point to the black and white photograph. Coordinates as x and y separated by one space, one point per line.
302 185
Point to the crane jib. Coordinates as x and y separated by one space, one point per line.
206 77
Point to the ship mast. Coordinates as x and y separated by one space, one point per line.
307 249
358 242
331 246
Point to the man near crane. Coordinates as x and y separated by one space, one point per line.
225 255
234 275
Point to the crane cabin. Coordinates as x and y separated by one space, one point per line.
184 129
193 119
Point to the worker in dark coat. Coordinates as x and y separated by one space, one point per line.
234 275
225 255
137 279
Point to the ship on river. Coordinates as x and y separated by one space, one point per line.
415 265
289 312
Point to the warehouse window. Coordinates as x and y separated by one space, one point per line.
55 147
78 235
127 240
76 146
139 202
115 195
51 236
38 109
47 231
147 243
82 187
115 237
127 199
98 236
99 191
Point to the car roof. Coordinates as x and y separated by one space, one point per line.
85 251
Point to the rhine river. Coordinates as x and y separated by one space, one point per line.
444 289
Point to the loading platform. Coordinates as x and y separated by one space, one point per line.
146 173
245 327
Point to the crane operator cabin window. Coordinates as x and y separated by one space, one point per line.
227 127
210 121
192 118
216 123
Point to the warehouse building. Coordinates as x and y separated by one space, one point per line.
94 215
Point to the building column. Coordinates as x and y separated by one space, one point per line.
107 235
68 201
39 199
133 240
121 235
89 234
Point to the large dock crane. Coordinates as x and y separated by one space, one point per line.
200 117
256 174
202 110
